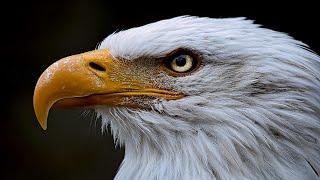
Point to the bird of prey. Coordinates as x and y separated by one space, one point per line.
198 98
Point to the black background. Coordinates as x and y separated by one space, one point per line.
37 33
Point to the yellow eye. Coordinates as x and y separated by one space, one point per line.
182 63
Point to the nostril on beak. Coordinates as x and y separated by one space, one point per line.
96 66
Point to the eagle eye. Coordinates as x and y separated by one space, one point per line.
180 63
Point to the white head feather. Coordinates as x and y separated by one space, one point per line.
251 112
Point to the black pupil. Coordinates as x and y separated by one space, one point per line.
181 60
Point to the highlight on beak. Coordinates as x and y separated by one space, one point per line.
75 76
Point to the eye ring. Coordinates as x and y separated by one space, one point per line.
181 63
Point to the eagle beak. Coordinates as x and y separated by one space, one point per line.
84 80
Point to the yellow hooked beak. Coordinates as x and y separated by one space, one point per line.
84 80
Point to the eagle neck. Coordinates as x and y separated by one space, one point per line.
179 158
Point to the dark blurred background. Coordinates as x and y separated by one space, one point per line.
37 33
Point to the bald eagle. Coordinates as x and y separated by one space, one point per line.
198 98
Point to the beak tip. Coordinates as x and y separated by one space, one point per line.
41 109
44 126
42 116
43 123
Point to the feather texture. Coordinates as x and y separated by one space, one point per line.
252 111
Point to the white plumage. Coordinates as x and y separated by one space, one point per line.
252 111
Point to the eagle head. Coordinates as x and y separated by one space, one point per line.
198 98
